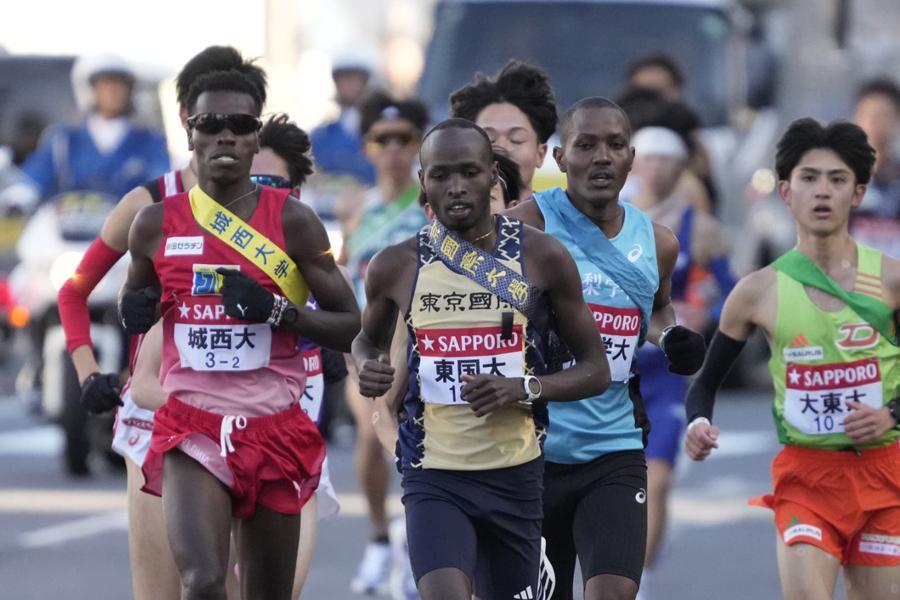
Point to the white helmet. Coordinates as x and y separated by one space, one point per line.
88 68
352 59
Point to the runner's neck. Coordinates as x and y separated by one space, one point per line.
833 254
609 217
189 174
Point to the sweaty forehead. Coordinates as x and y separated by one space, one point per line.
455 145
225 102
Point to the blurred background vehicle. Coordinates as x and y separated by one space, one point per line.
52 244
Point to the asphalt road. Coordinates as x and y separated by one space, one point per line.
64 538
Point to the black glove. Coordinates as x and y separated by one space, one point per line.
137 309
244 298
100 392
685 350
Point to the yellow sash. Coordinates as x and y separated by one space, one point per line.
220 222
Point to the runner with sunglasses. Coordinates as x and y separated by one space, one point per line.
392 131
233 263
470 444
152 568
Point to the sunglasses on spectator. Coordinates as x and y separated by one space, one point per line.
213 123
402 138
273 181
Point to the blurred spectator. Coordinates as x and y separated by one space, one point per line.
107 151
392 131
517 109
337 145
700 282
649 108
658 72
876 222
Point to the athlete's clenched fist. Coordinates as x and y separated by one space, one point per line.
376 377
487 393
244 298
701 439
137 309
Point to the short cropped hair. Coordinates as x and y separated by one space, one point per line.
844 138
565 124
224 81
658 60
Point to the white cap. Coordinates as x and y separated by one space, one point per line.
658 141
352 59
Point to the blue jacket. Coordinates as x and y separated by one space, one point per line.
338 152
67 159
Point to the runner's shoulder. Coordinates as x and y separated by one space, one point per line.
542 244
528 212
754 286
118 221
393 260
146 227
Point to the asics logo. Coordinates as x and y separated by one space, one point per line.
641 496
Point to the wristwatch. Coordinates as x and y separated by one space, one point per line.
290 314
894 408
532 387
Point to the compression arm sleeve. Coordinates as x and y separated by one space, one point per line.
73 307
720 357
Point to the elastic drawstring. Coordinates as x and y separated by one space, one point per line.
229 422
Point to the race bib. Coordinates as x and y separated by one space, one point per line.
619 328
815 395
448 354
223 347
311 398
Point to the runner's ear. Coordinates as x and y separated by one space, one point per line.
560 158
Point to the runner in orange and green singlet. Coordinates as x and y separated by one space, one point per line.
829 311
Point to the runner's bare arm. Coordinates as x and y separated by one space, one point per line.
551 268
115 235
528 212
891 277
336 322
667 248
139 298
738 322
386 278
146 390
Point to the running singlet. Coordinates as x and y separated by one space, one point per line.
211 361
454 329
583 430
382 225
822 359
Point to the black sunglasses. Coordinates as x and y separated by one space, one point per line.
273 181
213 123
404 139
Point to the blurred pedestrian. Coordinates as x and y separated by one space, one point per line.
700 282
877 220
337 145
108 150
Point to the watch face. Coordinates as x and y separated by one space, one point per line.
290 314
534 387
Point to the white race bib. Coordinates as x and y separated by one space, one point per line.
223 347
619 328
311 398
815 395
445 355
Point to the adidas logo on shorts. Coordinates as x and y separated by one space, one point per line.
525 594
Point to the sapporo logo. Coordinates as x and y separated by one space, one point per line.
854 336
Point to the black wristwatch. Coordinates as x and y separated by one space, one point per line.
894 408
290 314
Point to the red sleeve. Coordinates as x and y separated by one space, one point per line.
73 308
